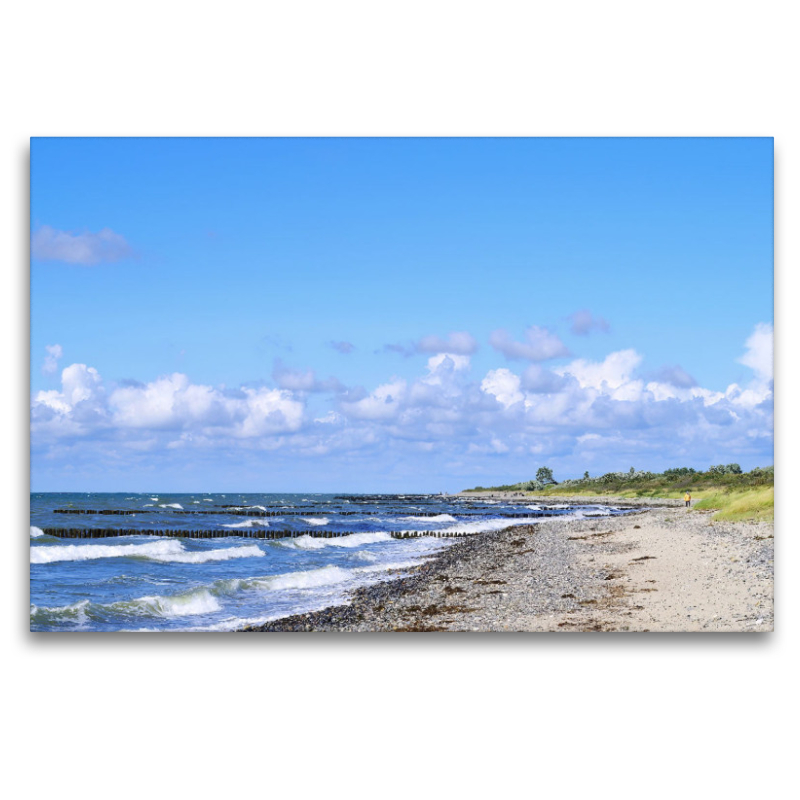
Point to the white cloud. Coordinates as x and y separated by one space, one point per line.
382 404
539 345
759 351
54 353
49 244
612 373
584 409
504 385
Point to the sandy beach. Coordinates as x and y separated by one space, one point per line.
666 569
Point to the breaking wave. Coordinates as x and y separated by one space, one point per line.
155 551
353 540
248 524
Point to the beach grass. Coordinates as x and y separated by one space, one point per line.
736 506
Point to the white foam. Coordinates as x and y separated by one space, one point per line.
86 552
353 540
248 524
36 532
247 508
170 505
534 508
363 555
315 520
325 576
164 551
597 513
437 518
202 556
181 605
486 525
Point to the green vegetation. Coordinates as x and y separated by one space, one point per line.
750 504
735 494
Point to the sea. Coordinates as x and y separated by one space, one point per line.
322 546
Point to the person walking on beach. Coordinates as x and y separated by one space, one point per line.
687 498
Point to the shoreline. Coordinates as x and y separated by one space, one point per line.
664 569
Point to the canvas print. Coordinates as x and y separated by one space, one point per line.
401 385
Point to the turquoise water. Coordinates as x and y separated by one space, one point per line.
156 583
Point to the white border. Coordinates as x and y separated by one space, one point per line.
552 716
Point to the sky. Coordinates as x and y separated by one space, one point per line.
396 315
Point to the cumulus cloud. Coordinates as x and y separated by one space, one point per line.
611 373
758 355
87 249
675 376
582 410
538 380
584 323
170 403
503 385
539 344
54 353
382 404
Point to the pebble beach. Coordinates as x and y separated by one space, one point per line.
663 569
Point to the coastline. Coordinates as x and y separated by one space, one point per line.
660 570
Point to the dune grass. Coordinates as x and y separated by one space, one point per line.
746 504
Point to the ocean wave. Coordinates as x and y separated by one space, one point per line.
197 601
36 532
170 505
247 508
164 551
303 579
437 518
73 614
484 526
202 556
249 523
353 540
316 520
534 508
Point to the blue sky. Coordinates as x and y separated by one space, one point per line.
396 314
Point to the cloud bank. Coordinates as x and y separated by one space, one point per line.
576 415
